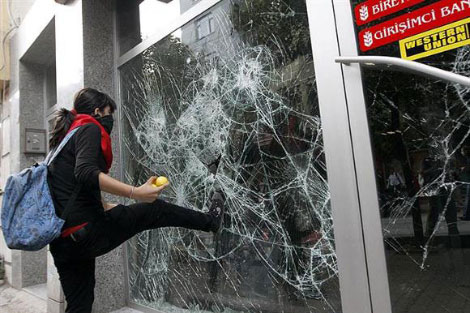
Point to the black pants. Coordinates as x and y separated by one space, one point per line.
75 261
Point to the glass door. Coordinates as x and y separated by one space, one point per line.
419 130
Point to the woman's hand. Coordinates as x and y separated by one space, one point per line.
148 192
145 193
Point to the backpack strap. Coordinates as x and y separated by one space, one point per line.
50 157
54 153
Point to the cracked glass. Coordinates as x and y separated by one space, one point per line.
227 106
420 132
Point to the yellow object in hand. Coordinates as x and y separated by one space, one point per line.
160 181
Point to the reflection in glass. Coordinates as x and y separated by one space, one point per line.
137 20
420 131
154 10
232 113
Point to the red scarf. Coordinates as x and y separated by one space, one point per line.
83 119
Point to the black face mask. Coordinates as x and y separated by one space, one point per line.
106 121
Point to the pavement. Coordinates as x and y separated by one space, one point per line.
30 301
19 301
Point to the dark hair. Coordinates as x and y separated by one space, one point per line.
85 102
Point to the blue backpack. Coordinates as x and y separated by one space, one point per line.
29 221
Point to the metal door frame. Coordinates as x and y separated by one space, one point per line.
350 166
366 178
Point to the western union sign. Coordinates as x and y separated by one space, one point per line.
445 38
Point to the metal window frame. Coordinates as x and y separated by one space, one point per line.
117 97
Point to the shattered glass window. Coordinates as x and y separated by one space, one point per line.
420 130
234 114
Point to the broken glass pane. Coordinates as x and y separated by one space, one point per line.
232 113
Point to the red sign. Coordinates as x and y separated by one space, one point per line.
371 10
429 17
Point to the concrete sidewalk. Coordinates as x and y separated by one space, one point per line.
20 301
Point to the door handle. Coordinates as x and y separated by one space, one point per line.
412 66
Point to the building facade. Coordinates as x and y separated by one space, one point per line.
346 185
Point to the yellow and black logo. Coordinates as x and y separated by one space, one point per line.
445 38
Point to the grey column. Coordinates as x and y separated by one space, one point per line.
99 66
33 264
